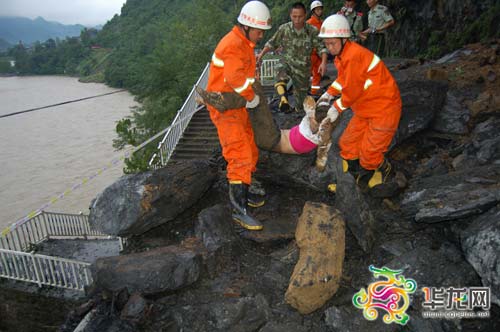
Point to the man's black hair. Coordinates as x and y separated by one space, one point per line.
298 5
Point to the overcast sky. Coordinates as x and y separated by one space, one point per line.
86 12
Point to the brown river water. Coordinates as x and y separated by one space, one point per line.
47 152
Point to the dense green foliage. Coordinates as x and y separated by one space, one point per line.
51 57
482 29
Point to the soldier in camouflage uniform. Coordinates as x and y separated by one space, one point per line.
354 18
297 39
379 19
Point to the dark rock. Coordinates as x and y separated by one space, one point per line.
452 196
350 319
121 299
215 229
291 170
277 327
245 314
134 309
354 207
136 203
433 267
481 245
422 100
453 117
154 271
103 322
484 147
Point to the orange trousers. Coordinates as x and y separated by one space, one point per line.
316 77
237 141
367 139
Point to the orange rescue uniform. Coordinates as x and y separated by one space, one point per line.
315 58
368 88
232 69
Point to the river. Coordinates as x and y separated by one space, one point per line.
46 152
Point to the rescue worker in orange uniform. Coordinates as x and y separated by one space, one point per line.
233 69
315 21
365 85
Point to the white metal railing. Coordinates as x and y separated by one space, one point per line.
44 270
18 262
184 114
44 225
268 71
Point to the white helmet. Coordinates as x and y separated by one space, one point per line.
255 14
315 4
335 26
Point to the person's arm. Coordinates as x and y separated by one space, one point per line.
259 56
384 26
322 66
235 73
351 82
319 45
271 44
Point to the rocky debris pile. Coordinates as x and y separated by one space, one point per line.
439 225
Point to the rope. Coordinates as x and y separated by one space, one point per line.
59 104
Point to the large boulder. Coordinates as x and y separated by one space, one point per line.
320 236
481 245
452 196
354 207
215 230
483 148
150 272
453 118
136 203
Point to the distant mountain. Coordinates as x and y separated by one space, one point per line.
4 45
14 29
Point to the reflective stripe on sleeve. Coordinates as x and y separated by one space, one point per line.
217 62
374 62
315 87
248 82
337 86
339 104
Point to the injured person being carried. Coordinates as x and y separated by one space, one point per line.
302 138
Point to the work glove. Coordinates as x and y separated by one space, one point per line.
324 100
254 102
332 114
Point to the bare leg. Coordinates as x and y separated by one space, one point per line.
325 142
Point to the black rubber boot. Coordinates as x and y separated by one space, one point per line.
238 195
284 105
256 194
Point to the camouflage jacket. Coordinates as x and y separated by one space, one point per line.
297 46
378 15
